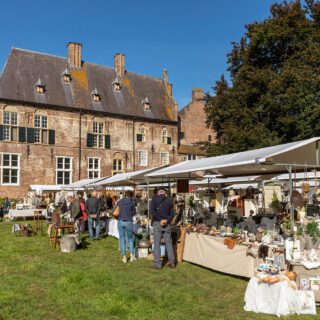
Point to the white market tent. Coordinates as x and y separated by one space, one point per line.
298 176
126 178
81 184
271 160
217 181
241 186
39 188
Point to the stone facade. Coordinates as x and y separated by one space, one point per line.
38 161
192 121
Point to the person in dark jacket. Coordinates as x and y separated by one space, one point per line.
93 206
125 225
162 214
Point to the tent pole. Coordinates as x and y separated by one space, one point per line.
290 193
209 192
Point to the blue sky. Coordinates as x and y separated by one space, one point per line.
189 38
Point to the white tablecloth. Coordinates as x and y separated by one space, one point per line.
27 213
113 228
211 253
278 299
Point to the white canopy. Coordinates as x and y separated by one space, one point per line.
39 188
81 184
249 162
241 186
126 178
297 176
216 181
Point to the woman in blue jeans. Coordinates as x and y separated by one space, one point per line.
125 225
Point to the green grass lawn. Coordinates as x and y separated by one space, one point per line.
37 282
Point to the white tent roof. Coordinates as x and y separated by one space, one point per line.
84 183
297 176
241 186
249 162
126 178
44 187
215 181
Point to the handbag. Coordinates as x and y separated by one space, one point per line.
116 212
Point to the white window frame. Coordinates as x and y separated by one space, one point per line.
164 135
18 168
117 171
139 158
64 170
97 135
10 125
93 169
142 131
186 158
41 128
168 158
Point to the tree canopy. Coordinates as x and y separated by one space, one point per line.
273 95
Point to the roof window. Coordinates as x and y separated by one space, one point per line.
146 103
116 84
40 87
66 76
95 96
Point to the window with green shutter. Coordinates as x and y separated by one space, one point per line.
107 143
90 140
22 134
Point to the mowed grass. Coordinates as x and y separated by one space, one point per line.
37 282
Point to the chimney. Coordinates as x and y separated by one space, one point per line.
74 54
197 94
119 64
168 84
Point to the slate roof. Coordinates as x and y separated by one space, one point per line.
23 69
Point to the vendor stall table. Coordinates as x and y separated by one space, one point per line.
27 213
304 272
113 228
210 252
279 299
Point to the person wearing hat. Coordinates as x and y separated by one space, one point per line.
162 214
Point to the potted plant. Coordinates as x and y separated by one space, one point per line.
312 235
275 204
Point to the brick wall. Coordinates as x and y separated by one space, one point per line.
193 120
38 161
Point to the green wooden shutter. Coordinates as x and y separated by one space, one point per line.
89 140
139 137
1 132
30 135
52 137
107 141
169 140
22 134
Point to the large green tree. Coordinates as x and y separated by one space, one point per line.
273 95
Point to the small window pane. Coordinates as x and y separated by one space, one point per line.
44 122
67 163
101 138
14 118
37 121
6 160
96 163
95 127
60 163
6 118
37 135
60 177
14 176
66 177
14 160
95 141
100 127
6 176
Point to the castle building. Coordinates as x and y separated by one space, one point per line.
63 119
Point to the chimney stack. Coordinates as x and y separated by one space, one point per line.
119 64
197 94
74 54
168 84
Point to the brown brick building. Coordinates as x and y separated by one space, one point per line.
192 126
62 119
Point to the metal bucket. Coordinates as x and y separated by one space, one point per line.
68 243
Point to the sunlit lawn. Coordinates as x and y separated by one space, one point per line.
37 282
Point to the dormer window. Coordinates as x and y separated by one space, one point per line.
66 76
116 84
40 87
146 104
95 96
